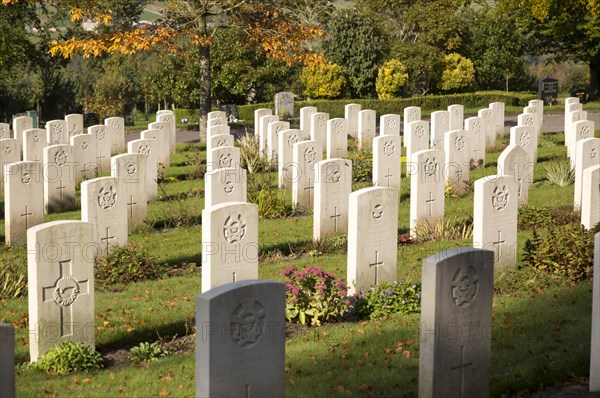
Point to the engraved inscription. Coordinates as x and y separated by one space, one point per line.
377 211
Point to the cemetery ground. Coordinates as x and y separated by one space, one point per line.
541 323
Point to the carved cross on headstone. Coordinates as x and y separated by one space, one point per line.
64 293
130 204
335 218
462 367
338 150
388 176
430 203
376 264
107 238
26 215
310 188
498 246
61 188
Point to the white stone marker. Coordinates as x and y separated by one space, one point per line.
223 157
590 203
217 115
258 113
165 139
56 132
216 122
284 104
115 128
34 142
475 128
526 138
23 200
229 244
530 120
9 153
367 123
217 130
498 109
351 115
387 154
333 185
130 169
457 149
487 126
533 110
104 205
588 155
318 127
21 124
426 189
583 129
59 178
514 161
273 132
571 107
305 116
219 140
103 146
372 237
85 157
225 185
337 138
7 361
389 124
263 131
4 131
457 115
60 269
456 324
285 158
305 155
147 148
495 218
162 144
440 125
240 340
411 114
74 124
171 128
595 346
417 135
570 119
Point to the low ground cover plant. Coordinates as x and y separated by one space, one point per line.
69 357
147 352
389 298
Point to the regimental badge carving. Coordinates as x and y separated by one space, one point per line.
321 120
369 117
310 154
25 177
488 117
217 122
56 132
459 142
585 131
229 187
279 129
36 138
593 153
115 125
413 115
221 143
25 124
332 174
131 168
465 286
7 150
75 130
443 121
144 149
392 123
3 132
431 167
573 107
377 211
160 127
457 112
525 139
292 139
225 160
419 131
476 126
100 133
389 148
338 127
529 120
66 291
107 197
61 157
248 322
234 229
500 197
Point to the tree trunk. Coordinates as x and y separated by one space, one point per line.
594 81
205 83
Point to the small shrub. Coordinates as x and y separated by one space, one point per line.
531 217
389 298
332 244
69 357
444 229
195 164
251 158
128 264
272 203
566 251
13 272
390 79
362 163
458 74
314 295
147 352
560 173
323 81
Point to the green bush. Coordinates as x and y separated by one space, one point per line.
128 264
391 79
68 357
314 295
444 229
362 162
560 173
566 251
389 298
13 272
323 81
271 201
458 74
251 158
531 217
147 352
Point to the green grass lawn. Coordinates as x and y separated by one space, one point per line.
539 335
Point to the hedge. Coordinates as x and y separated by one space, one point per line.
428 103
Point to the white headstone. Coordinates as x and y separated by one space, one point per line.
7 360
318 127
389 124
537 122
351 115
514 161
498 109
148 149
59 178
9 153
285 158
23 200
219 140
225 185
273 132
305 155
487 126
223 157
305 116
34 142
411 114
571 100
217 115
258 113
74 124
475 128
171 128
590 202
84 157
456 113
588 155
387 154
583 129
21 124
130 169
333 185
218 130
495 218
337 138
229 244
162 144
595 346
103 146
440 125
4 131
526 138
530 120
417 135
367 122
115 128
426 188
570 119
284 105
104 205
164 139
457 148
263 131
56 132
216 123
60 269
372 238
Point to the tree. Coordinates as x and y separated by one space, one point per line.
323 81
355 45
264 23
458 74
566 30
391 79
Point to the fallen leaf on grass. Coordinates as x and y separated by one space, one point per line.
163 393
